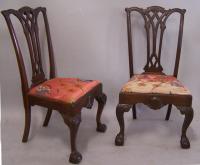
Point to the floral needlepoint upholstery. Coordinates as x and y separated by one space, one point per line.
153 83
66 90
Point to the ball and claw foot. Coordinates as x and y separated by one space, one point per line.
185 144
119 140
75 157
101 128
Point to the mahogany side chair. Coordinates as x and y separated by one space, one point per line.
153 87
66 95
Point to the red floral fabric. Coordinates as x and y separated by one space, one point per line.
152 83
67 90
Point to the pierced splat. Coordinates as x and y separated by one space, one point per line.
28 18
30 27
155 18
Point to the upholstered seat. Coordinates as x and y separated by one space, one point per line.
154 83
66 90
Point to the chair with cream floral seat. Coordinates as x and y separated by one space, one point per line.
66 95
153 87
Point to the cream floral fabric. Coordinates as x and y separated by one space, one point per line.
153 83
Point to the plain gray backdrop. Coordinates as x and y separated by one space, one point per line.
90 41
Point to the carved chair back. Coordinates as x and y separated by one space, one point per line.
155 18
28 18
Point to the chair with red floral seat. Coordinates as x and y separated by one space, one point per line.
66 95
153 87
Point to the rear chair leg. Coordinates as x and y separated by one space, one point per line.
27 123
47 118
134 112
168 112
101 99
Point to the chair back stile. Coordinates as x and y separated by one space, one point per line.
155 18
28 18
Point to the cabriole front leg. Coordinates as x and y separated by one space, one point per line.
188 112
73 123
101 99
121 108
